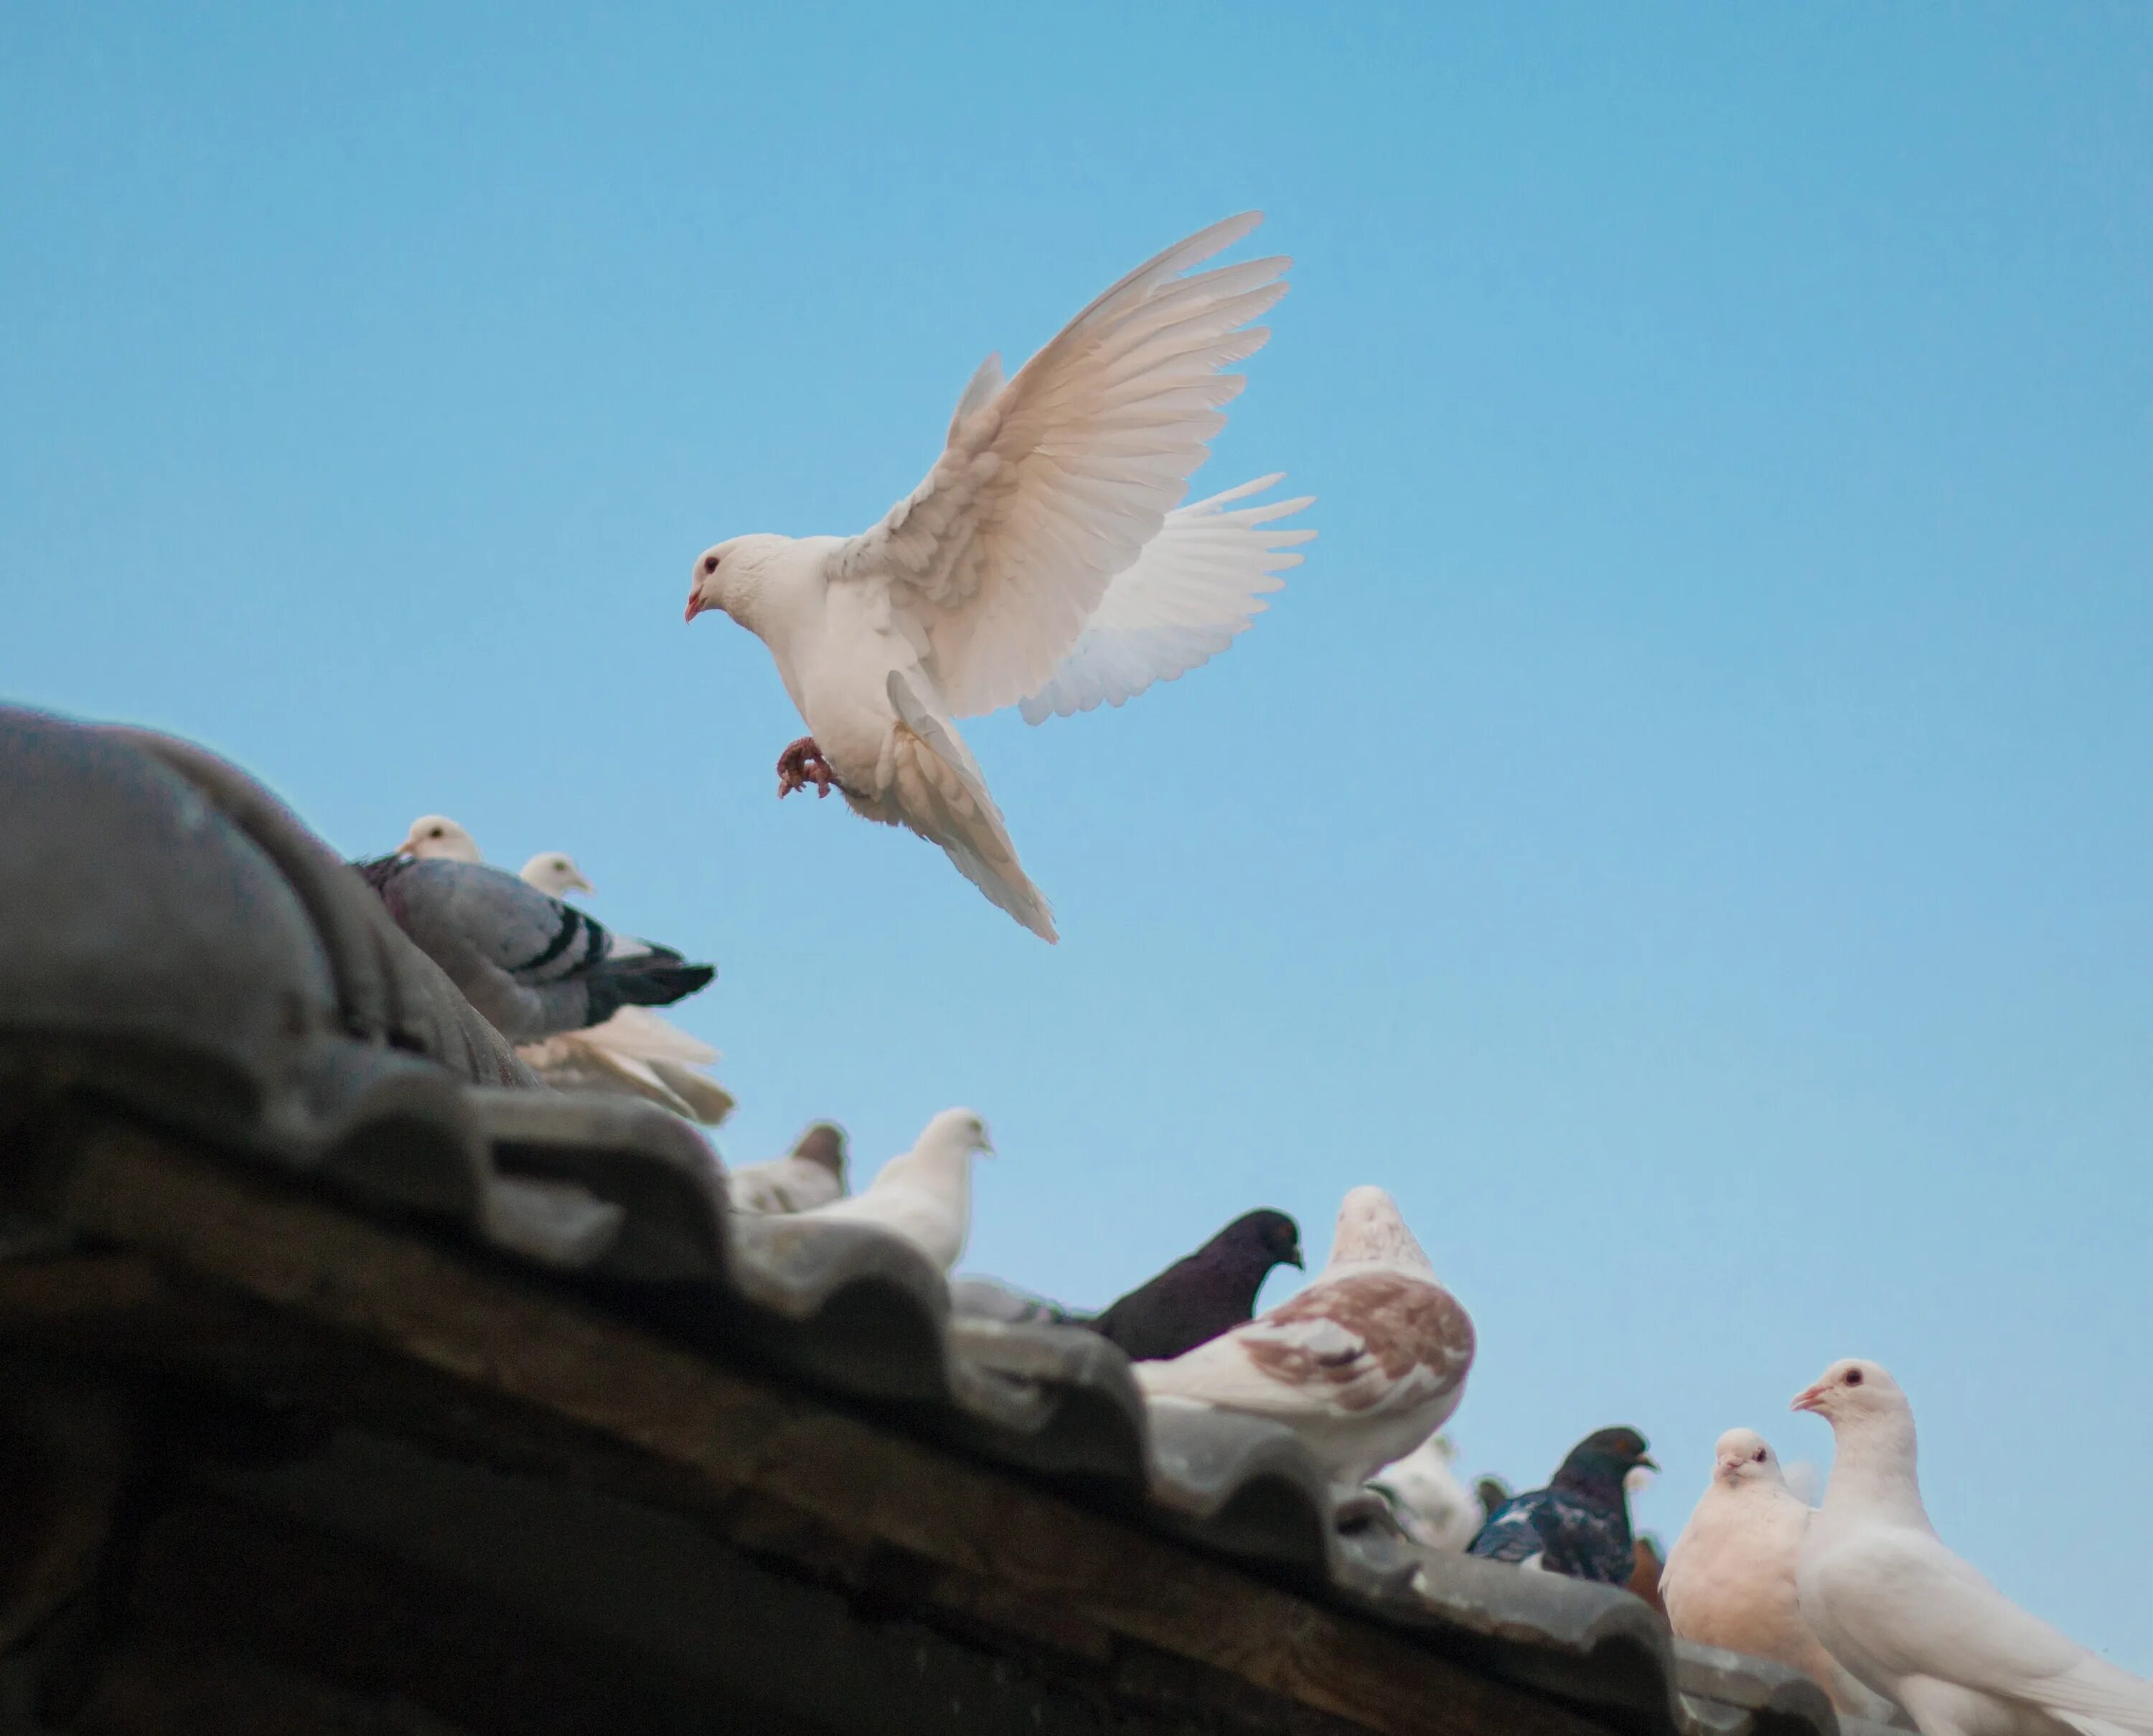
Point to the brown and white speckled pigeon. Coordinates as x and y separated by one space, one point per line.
1363 1365
529 963
811 1173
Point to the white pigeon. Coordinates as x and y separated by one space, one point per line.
555 873
1428 1499
924 1194
437 836
1047 559
635 1051
1729 1580
811 1173
1913 1621
1364 1364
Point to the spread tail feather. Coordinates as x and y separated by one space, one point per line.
644 982
945 798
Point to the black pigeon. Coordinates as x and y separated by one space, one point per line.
1579 1523
534 966
1210 1291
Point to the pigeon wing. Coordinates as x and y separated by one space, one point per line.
1920 1610
1584 1541
1191 590
1049 486
1373 1341
1511 1534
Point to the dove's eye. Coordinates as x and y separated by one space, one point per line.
1759 1455
1853 1376
709 564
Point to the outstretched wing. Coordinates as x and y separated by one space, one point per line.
1194 587
1049 485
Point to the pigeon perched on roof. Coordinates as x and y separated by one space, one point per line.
1729 1580
811 1173
1579 1523
1918 1623
530 964
437 836
1364 1364
1046 558
634 1051
924 1194
1202 1294
1427 1499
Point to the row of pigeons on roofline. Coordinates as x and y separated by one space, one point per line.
1047 560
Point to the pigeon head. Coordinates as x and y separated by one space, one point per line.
436 835
1852 1390
1744 1457
1268 1237
728 577
823 1144
1602 1461
956 1133
1370 1231
555 873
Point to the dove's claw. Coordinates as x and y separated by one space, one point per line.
801 765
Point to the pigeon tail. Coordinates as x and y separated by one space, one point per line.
945 799
645 981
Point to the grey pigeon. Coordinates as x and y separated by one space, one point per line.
1579 1523
533 965
1204 1294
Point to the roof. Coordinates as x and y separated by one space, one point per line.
256 1148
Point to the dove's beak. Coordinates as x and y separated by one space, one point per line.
1645 1462
1810 1399
1294 1259
695 605
584 886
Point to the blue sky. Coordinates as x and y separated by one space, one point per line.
1685 831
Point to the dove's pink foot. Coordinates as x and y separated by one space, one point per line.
801 765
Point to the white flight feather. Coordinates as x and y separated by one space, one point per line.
1052 484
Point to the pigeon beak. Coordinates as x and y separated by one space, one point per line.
1294 1259
584 886
695 606
1810 1399
1645 1462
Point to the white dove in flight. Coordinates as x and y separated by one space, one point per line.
1047 559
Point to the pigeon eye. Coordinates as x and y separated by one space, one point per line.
709 564
1853 1376
1759 1455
